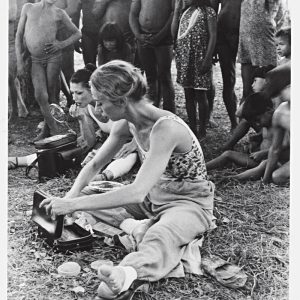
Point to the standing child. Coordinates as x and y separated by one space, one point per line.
112 45
38 26
195 29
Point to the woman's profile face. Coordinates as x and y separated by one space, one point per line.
109 109
81 94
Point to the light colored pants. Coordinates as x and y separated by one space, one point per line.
182 211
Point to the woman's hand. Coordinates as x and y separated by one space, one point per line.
76 112
127 149
57 206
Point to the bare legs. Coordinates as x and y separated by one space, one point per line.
239 158
192 99
44 80
227 63
156 61
247 71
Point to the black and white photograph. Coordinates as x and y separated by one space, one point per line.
148 146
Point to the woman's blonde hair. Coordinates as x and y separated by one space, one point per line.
118 79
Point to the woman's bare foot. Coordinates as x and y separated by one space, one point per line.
113 279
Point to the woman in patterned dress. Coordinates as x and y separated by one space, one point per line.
257 48
194 26
171 187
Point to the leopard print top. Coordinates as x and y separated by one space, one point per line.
188 165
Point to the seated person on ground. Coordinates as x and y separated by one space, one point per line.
90 120
256 109
277 170
244 126
171 187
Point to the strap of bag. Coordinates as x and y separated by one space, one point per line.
31 166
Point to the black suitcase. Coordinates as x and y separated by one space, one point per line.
63 238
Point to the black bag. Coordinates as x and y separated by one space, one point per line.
55 155
62 238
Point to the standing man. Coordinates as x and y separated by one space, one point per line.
150 22
226 48
67 67
38 27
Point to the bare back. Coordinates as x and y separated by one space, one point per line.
41 27
154 14
229 16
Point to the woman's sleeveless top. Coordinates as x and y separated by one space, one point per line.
188 165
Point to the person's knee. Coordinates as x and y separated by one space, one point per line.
227 154
279 177
41 96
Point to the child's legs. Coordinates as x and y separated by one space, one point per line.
211 97
149 64
227 64
39 81
203 110
247 71
53 70
161 248
164 55
121 166
254 173
229 156
191 109
282 174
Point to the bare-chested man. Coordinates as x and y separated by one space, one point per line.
150 22
227 46
38 26
281 130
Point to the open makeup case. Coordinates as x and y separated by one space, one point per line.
61 237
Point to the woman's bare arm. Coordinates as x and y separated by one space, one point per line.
159 154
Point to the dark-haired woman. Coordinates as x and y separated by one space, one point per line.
94 128
112 45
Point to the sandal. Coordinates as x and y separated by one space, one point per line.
13 165
224 272
128 295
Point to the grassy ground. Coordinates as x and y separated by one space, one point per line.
253 231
